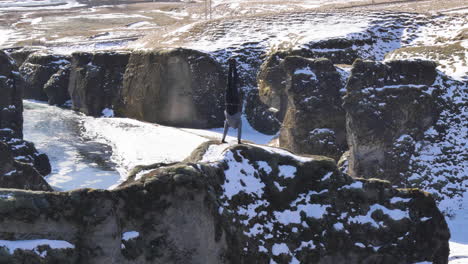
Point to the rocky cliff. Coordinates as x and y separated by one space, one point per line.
388 106
37 70
176 87
96 80
21 165
315 121
238 204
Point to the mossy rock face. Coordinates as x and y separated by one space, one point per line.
271 80
231 204
37 70
388 108
315 120
177 87
96 80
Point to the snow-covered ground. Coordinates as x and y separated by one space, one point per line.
99 152
4 35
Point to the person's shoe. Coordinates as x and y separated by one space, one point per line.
222 141
239 142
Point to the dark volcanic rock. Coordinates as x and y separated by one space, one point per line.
272 76
20 54
315 120
37 70
388 108
177 87
262 117
21 165
96 80
56 87
11 90
19 175
246 204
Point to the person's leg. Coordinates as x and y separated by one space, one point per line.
226 127
239 132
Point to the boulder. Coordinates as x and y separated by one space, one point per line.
19 175
37 70
231 204
176 87
315 121
96 80
388 107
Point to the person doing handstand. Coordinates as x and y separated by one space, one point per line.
233 106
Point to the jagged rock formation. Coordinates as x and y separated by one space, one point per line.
21 164
56 87
96 80
315 120
388 108
37 70
243 204
177 87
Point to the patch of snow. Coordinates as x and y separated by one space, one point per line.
140 174
287 171
107 112
6 196
279 249
399 199
12 245
284 153
262 165
354 185
241 177
130 235
4 35
306 71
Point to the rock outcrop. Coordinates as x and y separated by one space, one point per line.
56 87
11 104
20 54
177 87
388 108
315 120
96 80
37 70
21 166
238 204
271 80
